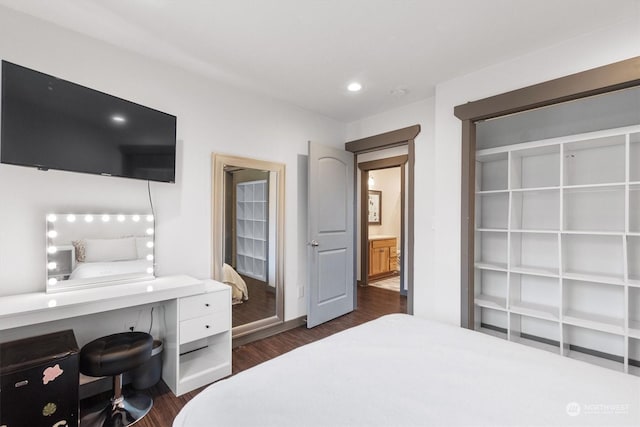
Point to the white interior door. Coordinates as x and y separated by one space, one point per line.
331 234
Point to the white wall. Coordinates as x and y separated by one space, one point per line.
211 118
417 113
581 53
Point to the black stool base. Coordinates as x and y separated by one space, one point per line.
121 412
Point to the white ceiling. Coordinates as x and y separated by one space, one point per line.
306 51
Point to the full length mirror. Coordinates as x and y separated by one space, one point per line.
248 201
85 250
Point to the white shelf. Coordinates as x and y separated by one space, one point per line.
594 233
596 186
534 310
199 362
533 189
534 271
251 234
489 301
634 157
584 161
634 329
564 232
534 254
591 321
491 266
535 167
491 172
535 210
611 280
595 208
492 192
493 210
598 256
535 231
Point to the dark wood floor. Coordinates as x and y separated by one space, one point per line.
261 303
372 303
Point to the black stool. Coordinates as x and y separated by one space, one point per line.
112 356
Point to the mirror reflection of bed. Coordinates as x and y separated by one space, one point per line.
253 299
249 218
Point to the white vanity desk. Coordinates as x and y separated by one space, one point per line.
196 321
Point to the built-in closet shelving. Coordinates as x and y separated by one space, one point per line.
251 229
558 245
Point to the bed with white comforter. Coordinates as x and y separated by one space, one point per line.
404 371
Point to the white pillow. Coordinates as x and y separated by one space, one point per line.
106 250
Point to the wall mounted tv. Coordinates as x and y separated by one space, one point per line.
49 123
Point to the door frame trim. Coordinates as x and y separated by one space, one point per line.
365 168
400 137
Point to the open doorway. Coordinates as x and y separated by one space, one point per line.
382 218
387 150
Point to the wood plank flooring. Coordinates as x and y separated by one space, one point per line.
372 303
261 303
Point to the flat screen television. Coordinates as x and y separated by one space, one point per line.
50 123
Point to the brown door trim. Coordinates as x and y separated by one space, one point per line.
405 136
608 78
383 140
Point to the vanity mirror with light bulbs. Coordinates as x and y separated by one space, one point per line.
248 244
88 250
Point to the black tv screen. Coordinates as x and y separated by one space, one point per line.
51 123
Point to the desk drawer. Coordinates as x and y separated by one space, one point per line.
205 326
383 243
204 304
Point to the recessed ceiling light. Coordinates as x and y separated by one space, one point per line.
354 87
399 91
118 119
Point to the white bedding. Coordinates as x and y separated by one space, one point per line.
86 270
404 371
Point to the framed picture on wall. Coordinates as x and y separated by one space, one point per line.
375 207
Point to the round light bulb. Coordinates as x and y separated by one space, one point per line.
52 234
150 270
71 218
52 266
354 87
52 218
149 244
106 218
88 218
136 218
52 303
52 249
149 231
52 281
149 257
149 218
121 218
